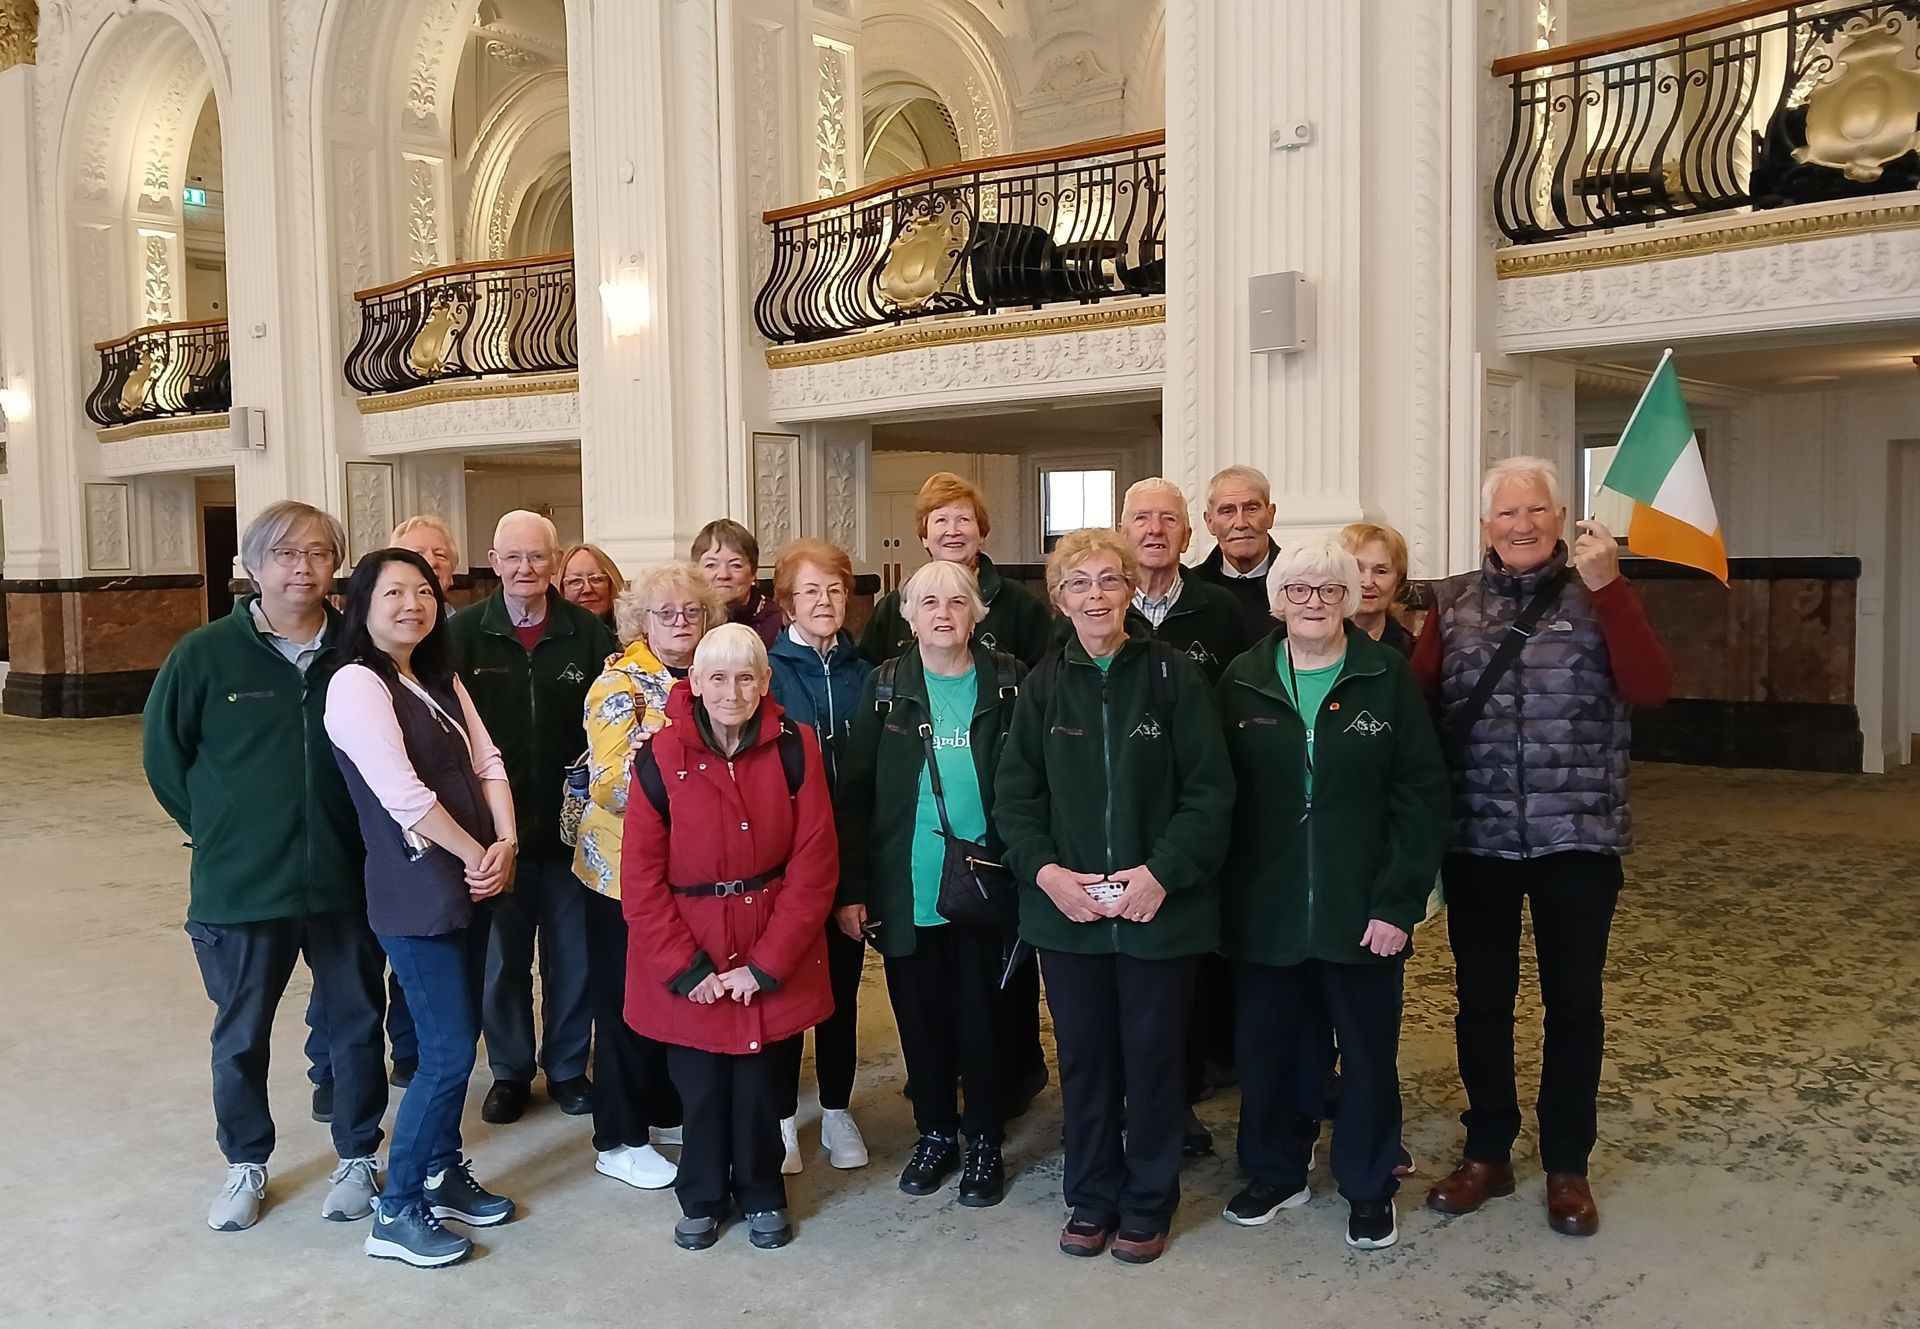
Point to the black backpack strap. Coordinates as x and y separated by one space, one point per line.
1462 721
883 685
793 757
1160 681
646 774
1006 675
1042 678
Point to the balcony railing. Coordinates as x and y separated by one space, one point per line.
1082 223
472 320
1753 105
164 370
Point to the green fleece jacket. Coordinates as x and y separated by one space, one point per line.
1205 625
235 748
1305 872
533 703
1095 780
1016 623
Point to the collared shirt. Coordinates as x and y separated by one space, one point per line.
1156 611
1258 574
299 654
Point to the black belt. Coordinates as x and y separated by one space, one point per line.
737 887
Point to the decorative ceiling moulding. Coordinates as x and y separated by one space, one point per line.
471 416
473 390
156 447
1628 382
1709 235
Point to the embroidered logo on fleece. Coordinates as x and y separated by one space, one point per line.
1366 724
1147 728
572 674
1199 654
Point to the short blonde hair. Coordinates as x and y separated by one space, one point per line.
650 590
941 578
1315 558
829 558
1240 475
944 489
1156 484
1517 469
599 556
1363 533
728 647
1076 547
426 521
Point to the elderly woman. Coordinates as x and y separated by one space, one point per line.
1341 820
728 553
1537 732
591 579
953 698
1381 553
727 877
818 672
662 618
1114 798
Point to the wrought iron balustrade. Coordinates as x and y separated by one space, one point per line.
164 370
473 320
1084 223
1751 105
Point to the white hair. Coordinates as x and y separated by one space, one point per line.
520 515
943 579
1517 470
1323 559
1160 486
729 647
1240 475
426 521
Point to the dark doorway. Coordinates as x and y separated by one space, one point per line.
220 541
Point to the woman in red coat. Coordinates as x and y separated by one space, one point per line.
726 899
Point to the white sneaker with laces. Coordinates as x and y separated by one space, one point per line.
237 1206
642 1167
665 1135
840 1136
790 1137
355 1182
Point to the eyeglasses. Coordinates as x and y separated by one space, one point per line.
696 614
534 561
1300 594
833 592
599 581
288 557
1107 581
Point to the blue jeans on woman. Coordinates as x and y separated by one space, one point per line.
442 976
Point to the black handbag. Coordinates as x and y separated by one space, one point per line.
976 890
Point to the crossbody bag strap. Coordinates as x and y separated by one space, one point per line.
933 779
1518 633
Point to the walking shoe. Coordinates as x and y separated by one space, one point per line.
1469 1186
790 1139
769 1229
323 1102
505 1102
1135 1247
1407 1166
641 1166
664 1135
1372 1226
696 1234
1084 1237
983 1181
934 1159
237 1207
841 1138
455 1194
1259 1204
402 1073
1570 1208
574 1095
355 1182
1196 1141
414 1236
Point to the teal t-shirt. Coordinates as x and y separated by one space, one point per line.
951 700
1315 684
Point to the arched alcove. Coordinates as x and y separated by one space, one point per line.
518 174
952 56
906 129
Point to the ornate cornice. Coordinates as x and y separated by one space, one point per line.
1742 231
173 424
960 332
19 30
484 389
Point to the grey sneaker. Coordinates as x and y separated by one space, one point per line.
355 1182
769 1229
696 1234
237 1206
414 1236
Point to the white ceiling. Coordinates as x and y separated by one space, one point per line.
1880 356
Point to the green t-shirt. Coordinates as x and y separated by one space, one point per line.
951 701
1315 684
1105 661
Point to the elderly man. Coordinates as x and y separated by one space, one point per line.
1195 617
528 657
432 539
1239 514
1536 661
236 753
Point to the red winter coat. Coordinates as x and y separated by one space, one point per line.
730 821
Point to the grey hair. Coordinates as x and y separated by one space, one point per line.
729 646
1242 475
1157 484
279 520
426 521
522 515
1316 558
942 578
1503 473
650 589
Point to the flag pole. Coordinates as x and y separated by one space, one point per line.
1665 356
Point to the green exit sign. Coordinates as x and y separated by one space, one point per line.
196 198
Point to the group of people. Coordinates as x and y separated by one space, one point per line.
1206 806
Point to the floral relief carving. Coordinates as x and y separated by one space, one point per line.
95 246
547 417
1497 401
776 466
354 190
433 491
843 496
354 63
369 506
423 216
163 131
423 72
169 521
764 176
192 449
830 124
109 538
157 279
986 137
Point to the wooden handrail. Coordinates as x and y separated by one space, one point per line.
1098 147
455 269
1651 34
159 327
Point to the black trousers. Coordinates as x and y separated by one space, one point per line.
1210 1028
947 1002
245 968
1572 896
1278 1005
836 1038
1120 1027
632 1089
730 1148
544 912
1021 1055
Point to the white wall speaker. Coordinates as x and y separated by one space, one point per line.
247 429
1279 312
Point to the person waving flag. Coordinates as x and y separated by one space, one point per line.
1658 466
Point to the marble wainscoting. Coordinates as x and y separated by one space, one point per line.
90 646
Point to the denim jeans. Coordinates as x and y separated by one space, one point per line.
442 976
400 1036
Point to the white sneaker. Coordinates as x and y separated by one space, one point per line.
841 1138
642 1166
790 1137
237 1206
665 1134
355 1182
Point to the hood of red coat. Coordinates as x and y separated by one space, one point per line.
680 704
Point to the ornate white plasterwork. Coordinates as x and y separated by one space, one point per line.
766 176
189 450
1429 215
1827 281
832 173
844 492
1499 399
548 417
423 215
156 267
369 506
776 488
109 529
168 536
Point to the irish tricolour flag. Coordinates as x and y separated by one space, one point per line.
1658 466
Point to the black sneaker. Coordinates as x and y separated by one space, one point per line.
1196 1141
934 1159
1260 1203
323 1101
696 1234
983 1181
414 1236
769 1229
1372 1227
456 1195
402 1073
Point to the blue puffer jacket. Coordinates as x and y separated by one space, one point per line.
817 692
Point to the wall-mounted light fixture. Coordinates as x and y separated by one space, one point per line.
15 404
628 302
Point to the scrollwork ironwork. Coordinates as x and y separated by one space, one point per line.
167 369
475 320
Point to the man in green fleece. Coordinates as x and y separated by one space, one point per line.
236 752
528 658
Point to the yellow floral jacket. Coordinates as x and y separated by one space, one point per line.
626 705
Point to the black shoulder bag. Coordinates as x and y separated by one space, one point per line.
1461 723
976 890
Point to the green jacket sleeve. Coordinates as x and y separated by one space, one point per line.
693 975
1193 844
1419 814
1034 635
854 797
876 642
170 734
1022 804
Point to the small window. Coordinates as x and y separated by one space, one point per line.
1070 500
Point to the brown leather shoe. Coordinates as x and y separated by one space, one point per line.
1570 1207
1079 1237
1469 1186
1138 1247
